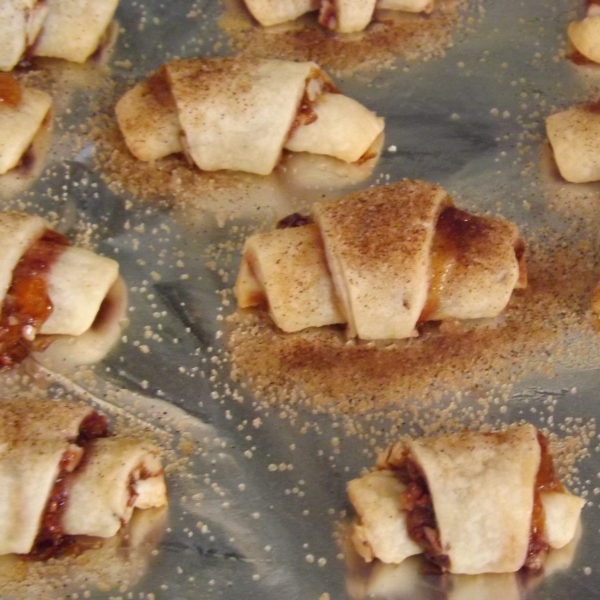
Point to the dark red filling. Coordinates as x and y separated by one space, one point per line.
420 514
27 303
51 540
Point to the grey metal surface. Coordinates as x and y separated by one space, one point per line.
255 511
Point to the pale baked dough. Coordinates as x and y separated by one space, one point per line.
344 129
286 270
274 12
381 532
147 116
78 282
28 472
237 114
346 16
18 231
100 495
562 516
585 34
481 488
477 263
342 16
377 244
574 135
73 29
20 124
20 24
68 29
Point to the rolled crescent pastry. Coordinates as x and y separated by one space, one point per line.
383 260
48 288
473 502
20 24
343 16
239 114
61 476
574 135
23 112
73 29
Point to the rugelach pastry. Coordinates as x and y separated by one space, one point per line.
68 29
51 291
342 16
382 261
472 502
62 474
241 114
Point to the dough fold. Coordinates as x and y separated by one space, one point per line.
20 24
28 472
20 124
274 12
344 129
346 16
120 474
48 420
270 259
73 29
381 532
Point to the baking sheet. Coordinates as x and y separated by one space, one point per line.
258 498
